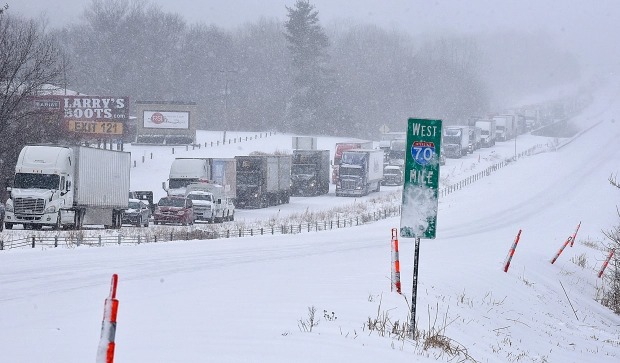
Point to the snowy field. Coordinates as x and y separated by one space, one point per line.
247 299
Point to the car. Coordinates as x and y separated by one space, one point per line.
175 209
138 213
2 210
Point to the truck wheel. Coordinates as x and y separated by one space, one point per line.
8 225
232 217
1 226
156 223
146 223
378 187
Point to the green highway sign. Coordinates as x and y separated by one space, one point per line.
420 191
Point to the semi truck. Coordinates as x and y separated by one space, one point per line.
455 141
475 138
68 187
396 155
310 172
361 172
263 180
185 171
505 127
342 147
487 132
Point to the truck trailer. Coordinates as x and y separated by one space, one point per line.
68 187
487 132
361 171
505 127
455 141
263 180
310 172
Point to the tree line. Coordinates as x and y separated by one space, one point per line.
288 75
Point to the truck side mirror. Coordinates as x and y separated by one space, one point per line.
68 185
163 185
219 201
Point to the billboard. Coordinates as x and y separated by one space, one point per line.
166 119
166 122
92 116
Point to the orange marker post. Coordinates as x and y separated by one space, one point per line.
575 235
611 253
105 352
395 262
561 249
511 252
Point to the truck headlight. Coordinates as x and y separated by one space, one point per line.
50 209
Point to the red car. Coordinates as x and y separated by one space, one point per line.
174 210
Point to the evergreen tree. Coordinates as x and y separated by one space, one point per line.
309 107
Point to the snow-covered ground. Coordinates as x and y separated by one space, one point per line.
246 299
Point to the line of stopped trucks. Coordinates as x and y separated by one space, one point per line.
70 187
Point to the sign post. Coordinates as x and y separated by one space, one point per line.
420 191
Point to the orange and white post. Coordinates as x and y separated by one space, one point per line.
611 253
568 240
511 252
395 262
105 352
572 241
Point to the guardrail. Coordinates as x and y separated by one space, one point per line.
167 234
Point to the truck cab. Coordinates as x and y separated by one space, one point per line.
40 188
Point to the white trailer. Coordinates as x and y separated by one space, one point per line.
68 187
455 141
487 132
505 127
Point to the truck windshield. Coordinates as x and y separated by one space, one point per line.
206 197
36 181
302 169
346 171
171 202
248 178
353 158
180 183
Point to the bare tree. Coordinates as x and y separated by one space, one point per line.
28 59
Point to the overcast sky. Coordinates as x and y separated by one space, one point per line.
589 28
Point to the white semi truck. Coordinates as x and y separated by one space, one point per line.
487 132
505 127
68 187
456 141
